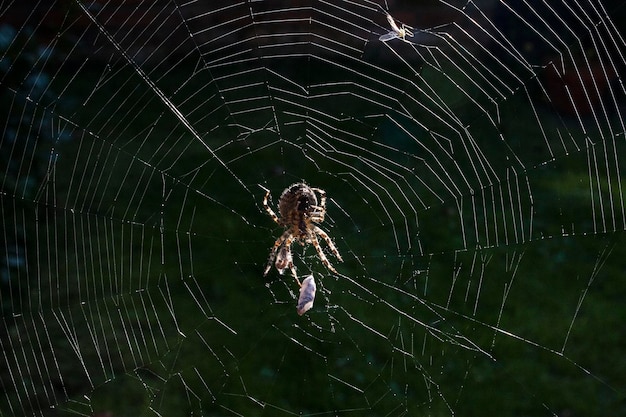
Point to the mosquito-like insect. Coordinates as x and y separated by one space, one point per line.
396 32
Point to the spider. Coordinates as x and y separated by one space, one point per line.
299 213
396 32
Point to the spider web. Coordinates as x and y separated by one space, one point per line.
474 186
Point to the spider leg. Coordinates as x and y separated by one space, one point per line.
293 271
318 248
284 241
322 194
284 259
329 242
317 216
268 208
320 211
274 250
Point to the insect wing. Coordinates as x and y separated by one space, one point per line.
389 36
307 295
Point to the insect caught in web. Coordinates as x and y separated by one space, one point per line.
396 32
300 214
307 295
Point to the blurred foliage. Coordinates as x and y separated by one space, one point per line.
28 134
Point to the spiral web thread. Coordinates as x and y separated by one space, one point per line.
474 184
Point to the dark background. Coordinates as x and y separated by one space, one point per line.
135 135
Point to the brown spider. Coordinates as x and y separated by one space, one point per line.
299 213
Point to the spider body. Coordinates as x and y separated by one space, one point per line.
300 212
296 206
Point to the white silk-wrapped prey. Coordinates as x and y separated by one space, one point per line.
307 295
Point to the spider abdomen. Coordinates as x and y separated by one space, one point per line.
295 205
